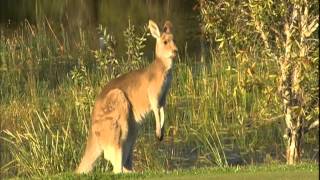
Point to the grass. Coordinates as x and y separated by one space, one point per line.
302 171
219 112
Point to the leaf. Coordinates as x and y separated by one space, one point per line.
221 44
312 27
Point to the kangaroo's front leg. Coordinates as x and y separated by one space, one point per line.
162 120
159 116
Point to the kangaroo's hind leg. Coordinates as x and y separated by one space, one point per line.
129 146
92 152
114 127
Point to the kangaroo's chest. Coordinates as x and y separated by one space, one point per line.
165 85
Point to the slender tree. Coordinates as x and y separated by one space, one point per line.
286 31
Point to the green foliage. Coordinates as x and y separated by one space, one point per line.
42 146
106 56
135 44
278 36
209 141
226 25
78 75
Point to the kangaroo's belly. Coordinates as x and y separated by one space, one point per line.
140 103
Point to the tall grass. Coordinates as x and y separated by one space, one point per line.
219 112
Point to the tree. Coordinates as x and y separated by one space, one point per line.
292 67
286 31
298 67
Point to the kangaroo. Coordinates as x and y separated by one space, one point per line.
125 101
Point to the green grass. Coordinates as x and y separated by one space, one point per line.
299 172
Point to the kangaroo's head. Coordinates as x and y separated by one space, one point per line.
166 49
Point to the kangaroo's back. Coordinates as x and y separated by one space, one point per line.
134 85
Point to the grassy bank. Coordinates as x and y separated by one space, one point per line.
303 172
219 112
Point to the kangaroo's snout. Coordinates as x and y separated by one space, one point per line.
174 53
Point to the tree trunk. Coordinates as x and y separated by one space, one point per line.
294 117
292 94
294 146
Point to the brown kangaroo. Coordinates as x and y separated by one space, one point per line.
123 104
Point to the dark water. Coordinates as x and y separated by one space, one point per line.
114 15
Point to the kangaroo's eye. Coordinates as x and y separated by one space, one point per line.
165 42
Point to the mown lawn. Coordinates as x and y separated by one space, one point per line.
273 172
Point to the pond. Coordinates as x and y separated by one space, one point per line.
114 15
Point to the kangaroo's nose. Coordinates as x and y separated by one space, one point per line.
175 50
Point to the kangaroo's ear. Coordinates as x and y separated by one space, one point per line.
167 27
154 29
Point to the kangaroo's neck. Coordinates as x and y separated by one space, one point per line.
164 64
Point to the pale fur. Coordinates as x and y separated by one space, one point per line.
125 101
